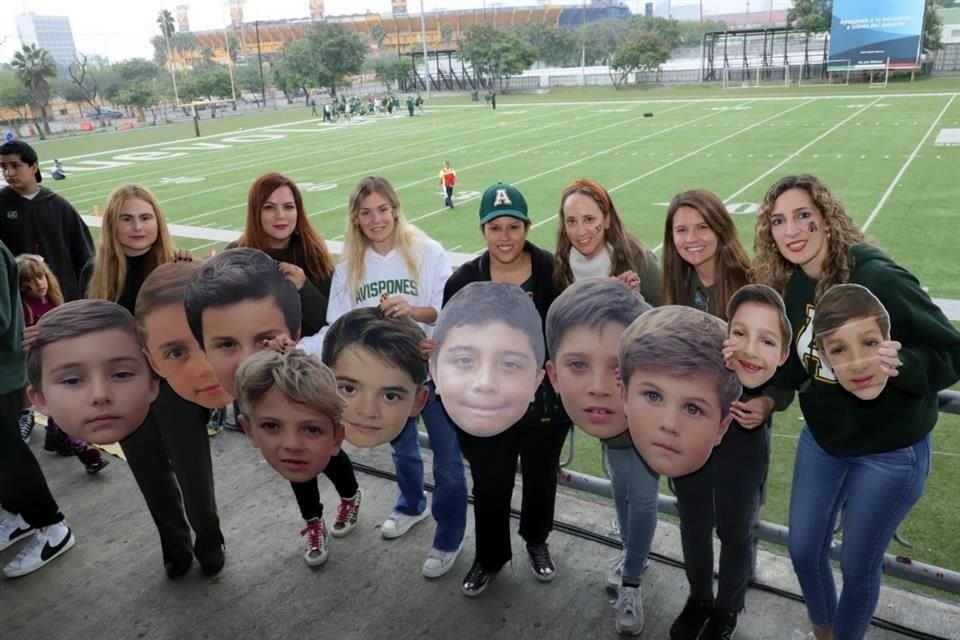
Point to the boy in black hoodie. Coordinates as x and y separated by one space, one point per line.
34 219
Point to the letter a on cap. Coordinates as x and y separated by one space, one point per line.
502 198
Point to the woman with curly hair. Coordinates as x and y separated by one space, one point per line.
868 457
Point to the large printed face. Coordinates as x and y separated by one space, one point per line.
760 344
174 354
852 352
675 422
97 387
296 440
584 373
380 397
486 376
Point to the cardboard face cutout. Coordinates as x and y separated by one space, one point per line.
97 387
760 334
850 326
488 362
174 354
677 390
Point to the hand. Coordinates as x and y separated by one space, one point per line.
29 336
630 279
889 356
427 346
182 255
729 352
293 273
753 412
396 307
281 344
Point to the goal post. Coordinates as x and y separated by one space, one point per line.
756 77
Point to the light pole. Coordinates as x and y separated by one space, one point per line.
423 41
583 44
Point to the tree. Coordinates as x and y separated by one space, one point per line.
33 66
299 69
338 53
603 38
446 33
497 54
233 48
555 47
641 50
14 96
166 23
932 26
390 69
379 34
247 78
669 30
810 16
83 86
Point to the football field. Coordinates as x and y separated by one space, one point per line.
883 151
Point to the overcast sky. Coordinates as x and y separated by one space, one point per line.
121 30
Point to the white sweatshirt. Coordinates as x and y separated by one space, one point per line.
387 275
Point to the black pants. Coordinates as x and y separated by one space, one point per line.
725 493
493 466
23 489
340 472
448 190
169 456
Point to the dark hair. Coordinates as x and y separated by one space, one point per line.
164 286
843 303
396 341
73 320
237 275
592 303
482 303
679 341
763 295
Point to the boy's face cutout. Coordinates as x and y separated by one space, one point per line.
675 422
97 387
851 351
234 332
584 373
296 440
760 343
486 376
174 354
380 397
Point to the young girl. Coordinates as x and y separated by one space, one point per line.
592 241
870 457
278 225
169 455
703 265
40 292
387 262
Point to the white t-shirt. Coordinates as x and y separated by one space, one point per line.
387 275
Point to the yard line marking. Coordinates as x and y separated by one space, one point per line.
798 152
903 169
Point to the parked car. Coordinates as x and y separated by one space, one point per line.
103 112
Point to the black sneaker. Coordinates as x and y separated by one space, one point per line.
177 570
26 424
541 563
691 621
722 626
477 580
56 442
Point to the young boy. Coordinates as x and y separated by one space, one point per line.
380 373
87 371
583 329
237 303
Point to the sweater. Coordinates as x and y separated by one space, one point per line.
49 226
137 272
906 410
12 362
34 309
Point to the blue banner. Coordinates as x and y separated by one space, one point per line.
868 34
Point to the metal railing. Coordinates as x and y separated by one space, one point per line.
897 566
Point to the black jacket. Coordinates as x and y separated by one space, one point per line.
49 226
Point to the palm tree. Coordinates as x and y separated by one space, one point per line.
165 23
378 34
32 66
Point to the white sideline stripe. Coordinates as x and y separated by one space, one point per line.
903 169
950 308
800 150
217 236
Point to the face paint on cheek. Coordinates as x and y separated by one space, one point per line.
813 228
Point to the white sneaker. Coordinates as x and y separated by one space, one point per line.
439 562
13 528
615 573
629 608
399 523
48 543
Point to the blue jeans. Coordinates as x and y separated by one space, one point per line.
635 488
876 491
449 507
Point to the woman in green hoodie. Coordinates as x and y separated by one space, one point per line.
869 457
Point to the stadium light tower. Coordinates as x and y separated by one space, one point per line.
423 40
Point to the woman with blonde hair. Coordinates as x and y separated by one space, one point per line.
592 241
389 264
868 454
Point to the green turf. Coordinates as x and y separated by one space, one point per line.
736 144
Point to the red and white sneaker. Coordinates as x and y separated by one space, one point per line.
348 513
316 532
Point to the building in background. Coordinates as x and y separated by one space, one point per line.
183 17
52 33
